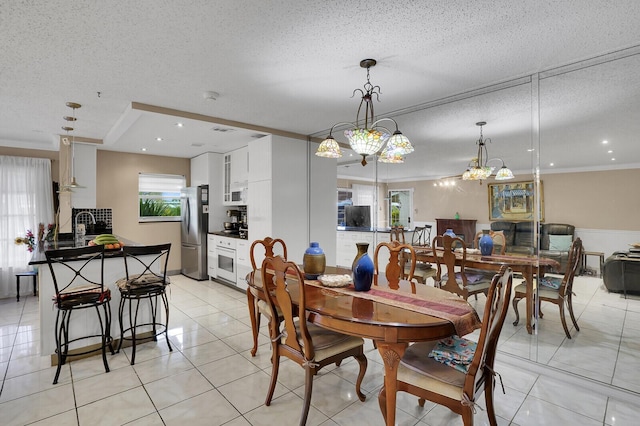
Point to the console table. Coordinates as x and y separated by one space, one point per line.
464 228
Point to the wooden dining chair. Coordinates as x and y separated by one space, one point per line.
256 300
428 379
401 265
422 270
310 346
397 234
499 241
557 290
459 282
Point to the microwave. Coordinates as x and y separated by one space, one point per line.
239 196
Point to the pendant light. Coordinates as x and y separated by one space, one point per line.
73 106
368 137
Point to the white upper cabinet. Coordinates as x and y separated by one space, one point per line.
239 167
235 176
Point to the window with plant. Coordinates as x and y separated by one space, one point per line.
159 197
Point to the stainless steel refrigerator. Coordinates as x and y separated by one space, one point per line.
194 228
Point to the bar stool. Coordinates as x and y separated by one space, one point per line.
146 279
31 273
78 278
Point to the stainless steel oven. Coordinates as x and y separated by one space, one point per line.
227 268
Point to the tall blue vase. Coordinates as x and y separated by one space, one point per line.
362 268
486 243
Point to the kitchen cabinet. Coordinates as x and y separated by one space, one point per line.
243 261
212 257
235 174
346 248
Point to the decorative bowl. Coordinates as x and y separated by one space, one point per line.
335 280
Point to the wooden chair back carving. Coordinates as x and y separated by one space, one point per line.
575 254
399 255
270 248
442 247
397 234
499 241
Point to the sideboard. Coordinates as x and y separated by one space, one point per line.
464 228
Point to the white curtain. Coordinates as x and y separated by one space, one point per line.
26 200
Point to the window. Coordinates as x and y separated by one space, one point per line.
400 207
159 197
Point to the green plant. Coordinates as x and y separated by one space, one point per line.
152 207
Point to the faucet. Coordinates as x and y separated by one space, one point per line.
75 229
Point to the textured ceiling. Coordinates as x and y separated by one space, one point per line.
292 65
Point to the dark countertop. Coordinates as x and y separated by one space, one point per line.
38 257
223 234
360 229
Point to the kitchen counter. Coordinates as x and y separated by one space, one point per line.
224 234
38 257
361 229
84 321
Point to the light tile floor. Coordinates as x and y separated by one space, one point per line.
211 379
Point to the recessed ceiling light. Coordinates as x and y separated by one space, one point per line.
610 151
143 149
551 164
179 124
605 142
159 139
530 150
613 159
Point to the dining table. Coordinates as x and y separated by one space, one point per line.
392 318
527 265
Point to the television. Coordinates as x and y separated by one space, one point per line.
358 216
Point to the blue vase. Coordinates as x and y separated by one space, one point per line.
486 243
313 261
452 234
362 268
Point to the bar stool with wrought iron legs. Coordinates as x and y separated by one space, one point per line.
78 278
146 279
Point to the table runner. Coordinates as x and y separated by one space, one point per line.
451 308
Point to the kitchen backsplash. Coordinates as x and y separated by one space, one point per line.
101 215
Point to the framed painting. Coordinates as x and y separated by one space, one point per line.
514 201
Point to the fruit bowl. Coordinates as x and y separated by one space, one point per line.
109 241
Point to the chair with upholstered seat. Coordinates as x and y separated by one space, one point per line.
256 300
78 278
310 346
396 270
557 290
460 282
459 387
146 279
